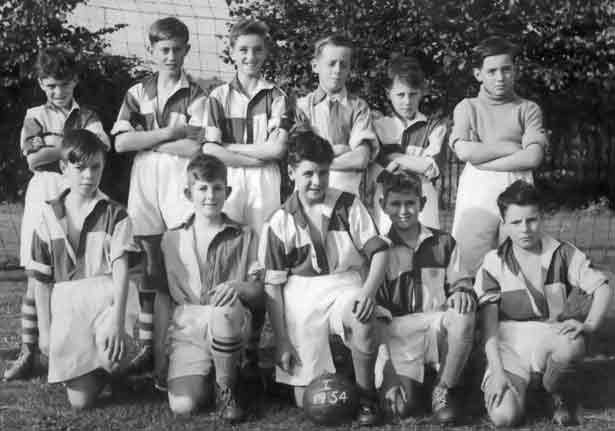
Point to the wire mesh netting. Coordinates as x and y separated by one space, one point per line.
206 20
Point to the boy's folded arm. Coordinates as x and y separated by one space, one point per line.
272 149
418 164
356 159
137 140
477 152
229 157
181 147
44 155
525 159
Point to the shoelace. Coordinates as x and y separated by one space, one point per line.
227 398
440 397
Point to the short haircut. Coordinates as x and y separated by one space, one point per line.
401 181
493 45
307 145
519 193
58 62
247 27
166 29
335 40
205 167
406 69
81 145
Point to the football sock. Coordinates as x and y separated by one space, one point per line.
226 353
146 318
29 322
364 369
560 377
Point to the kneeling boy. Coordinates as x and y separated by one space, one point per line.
527 292
324 262
431 303
80 250
213 282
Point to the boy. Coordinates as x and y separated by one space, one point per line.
213 281
538 299
409 139
160 118
80 253
247 128
432 305
501 137
339 117
41 137
324 262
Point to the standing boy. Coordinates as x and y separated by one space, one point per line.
409 139
339 117
324 263
431 303
538 300
41 141
160 119
501 137
247 128
80 255
214 280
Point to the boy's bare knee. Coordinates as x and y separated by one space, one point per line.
569 350
507 414
364 335
183 404
228 320
82 398
459 324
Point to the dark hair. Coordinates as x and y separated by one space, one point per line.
80 145
205 167
307 145
57 62
493 45
519 193
335 40
247 27
401 181
166 29
407 69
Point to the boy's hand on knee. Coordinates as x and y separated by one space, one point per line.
461 302
115 343
363 307
224 294
287 356
500 383
573 328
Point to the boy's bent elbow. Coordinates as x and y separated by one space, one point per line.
535 156
463 151
121 143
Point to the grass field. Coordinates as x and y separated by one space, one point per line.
35 405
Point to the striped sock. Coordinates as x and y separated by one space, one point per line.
226 353
29 323
146 318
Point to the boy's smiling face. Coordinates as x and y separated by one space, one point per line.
403 208
249 53
168 55
404 98
332 67
523 224
497 74
84 177
208 197
59 92
311 180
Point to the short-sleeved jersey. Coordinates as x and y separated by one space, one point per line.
342 119
491 120
48 119
235 117
106 236
420 279
412 138
231 256
142 109
500 280
289 246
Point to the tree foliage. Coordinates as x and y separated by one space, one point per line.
566 63
25 27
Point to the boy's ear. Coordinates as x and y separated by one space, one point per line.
229 189
477 74
423 201
188 46
382 202
314 65
63 165
291 172
188 193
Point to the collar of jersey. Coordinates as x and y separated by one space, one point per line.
293 206
227 222
396 240
321 95
59 207
150 84
262 84
505 251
